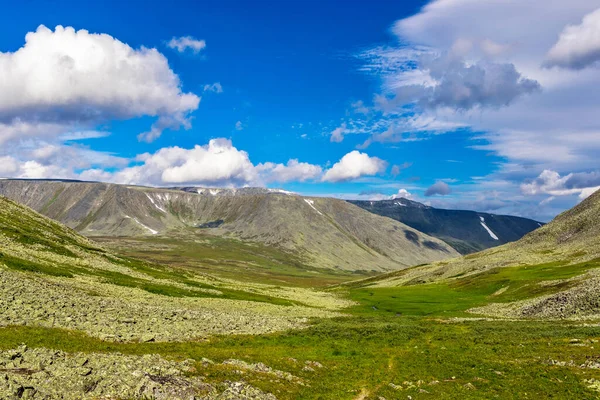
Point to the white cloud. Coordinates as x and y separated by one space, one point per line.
402 194
8 166
62 80
292 171
359 107
450 81
354 165
81 135
552 183
587 192
183 43
214 87
36 170
38 159
337 135
578 45
439 188
239 126
217 163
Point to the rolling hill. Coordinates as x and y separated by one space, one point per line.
322 232
466 231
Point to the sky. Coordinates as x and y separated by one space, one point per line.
465 104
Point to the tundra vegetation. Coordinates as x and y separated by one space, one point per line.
219 318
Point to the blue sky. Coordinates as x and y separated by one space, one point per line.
436 101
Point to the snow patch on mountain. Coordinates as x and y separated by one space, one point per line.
281 191
311 203
139 223
492 234
154 204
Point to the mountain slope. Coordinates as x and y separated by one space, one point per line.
553 272
323 232
50 276
466 231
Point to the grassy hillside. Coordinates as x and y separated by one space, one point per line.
466 231
552 272
47 266
318 232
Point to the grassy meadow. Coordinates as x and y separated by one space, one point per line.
415 341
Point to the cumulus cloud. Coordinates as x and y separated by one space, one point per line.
217 163
402 194
214 87
552 183
449 81
483 84
587 192
439 188
183 43
292 171
64 79
35 159
354 165
578 45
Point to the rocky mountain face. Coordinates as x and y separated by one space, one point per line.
466 231
325 232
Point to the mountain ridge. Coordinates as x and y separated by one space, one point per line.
466 231
326 232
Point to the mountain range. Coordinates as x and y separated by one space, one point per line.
322 232
465 231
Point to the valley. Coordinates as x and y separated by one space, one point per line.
190 313
299 200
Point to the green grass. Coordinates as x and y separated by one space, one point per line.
228 258
19 264
454 297
121 279
504 360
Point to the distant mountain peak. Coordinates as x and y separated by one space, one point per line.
466 231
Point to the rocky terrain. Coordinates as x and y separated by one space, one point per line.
322 232
466 231
53 277
50 374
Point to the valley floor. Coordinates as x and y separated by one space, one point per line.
79 322
356 357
